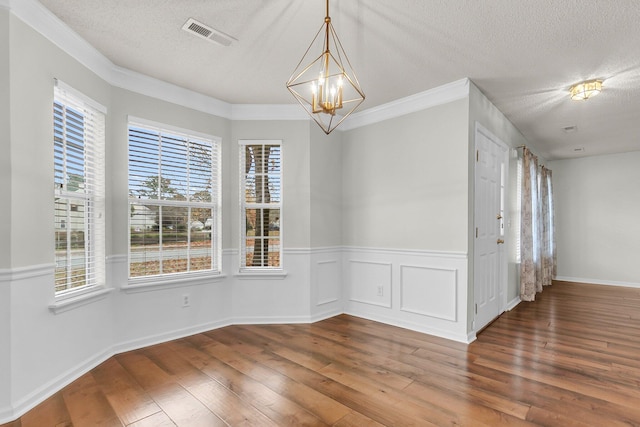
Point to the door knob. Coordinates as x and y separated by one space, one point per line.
498 216
500 241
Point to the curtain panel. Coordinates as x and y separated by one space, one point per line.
537 237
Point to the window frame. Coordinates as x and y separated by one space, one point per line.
258 271
91 143
215 205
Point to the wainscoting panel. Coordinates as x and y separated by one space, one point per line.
328 282
370 282
424 291
428 291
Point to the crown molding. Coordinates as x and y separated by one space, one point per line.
34 14
420 101
159 89
268 112
50 26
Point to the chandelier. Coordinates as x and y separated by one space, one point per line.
326 87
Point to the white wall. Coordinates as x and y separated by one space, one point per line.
5 146
44 348
597 205
326 188
405 181
405 204
296 177
5 215
326 223
276 299
5 350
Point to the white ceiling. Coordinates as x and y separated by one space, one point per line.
522 54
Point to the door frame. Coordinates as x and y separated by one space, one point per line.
504 259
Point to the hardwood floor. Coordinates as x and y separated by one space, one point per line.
569 359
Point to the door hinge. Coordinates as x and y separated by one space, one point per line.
476 232
477 155
476 308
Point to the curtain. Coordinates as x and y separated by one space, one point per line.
546 254
537 237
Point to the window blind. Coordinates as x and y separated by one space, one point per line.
174 200
261 198
79 195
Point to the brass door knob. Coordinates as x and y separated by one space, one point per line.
500 241
498 216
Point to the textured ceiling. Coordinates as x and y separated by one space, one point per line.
523 54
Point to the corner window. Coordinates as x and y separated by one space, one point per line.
79 195
261 204
174 200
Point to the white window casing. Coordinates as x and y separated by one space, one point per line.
79 191
174 202
261 206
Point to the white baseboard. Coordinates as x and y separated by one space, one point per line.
401 323
48 389
7 414
597 282
169 336
326 315
268 320
513 303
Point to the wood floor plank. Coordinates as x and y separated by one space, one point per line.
87 405
52 411
181 407
355 419
159 419
127 398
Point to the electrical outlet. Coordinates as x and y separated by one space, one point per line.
186 300
380 291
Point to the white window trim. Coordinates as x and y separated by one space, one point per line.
187 278
71 300
248 272
68 299
171 280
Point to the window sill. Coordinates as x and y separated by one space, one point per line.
147 284
72 301
261 274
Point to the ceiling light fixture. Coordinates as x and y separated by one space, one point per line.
327 85
585 90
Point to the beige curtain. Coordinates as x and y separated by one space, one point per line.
546 251
537 237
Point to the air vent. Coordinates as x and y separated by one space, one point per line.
206 32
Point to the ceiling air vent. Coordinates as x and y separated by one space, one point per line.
206 32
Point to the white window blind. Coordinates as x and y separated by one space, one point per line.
261 200
79 196
174 200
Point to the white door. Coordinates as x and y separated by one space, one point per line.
489 282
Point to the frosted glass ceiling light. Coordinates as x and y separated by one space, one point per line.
326 87
585 90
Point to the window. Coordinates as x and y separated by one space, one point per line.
79 198
174 200
261 200
518 213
